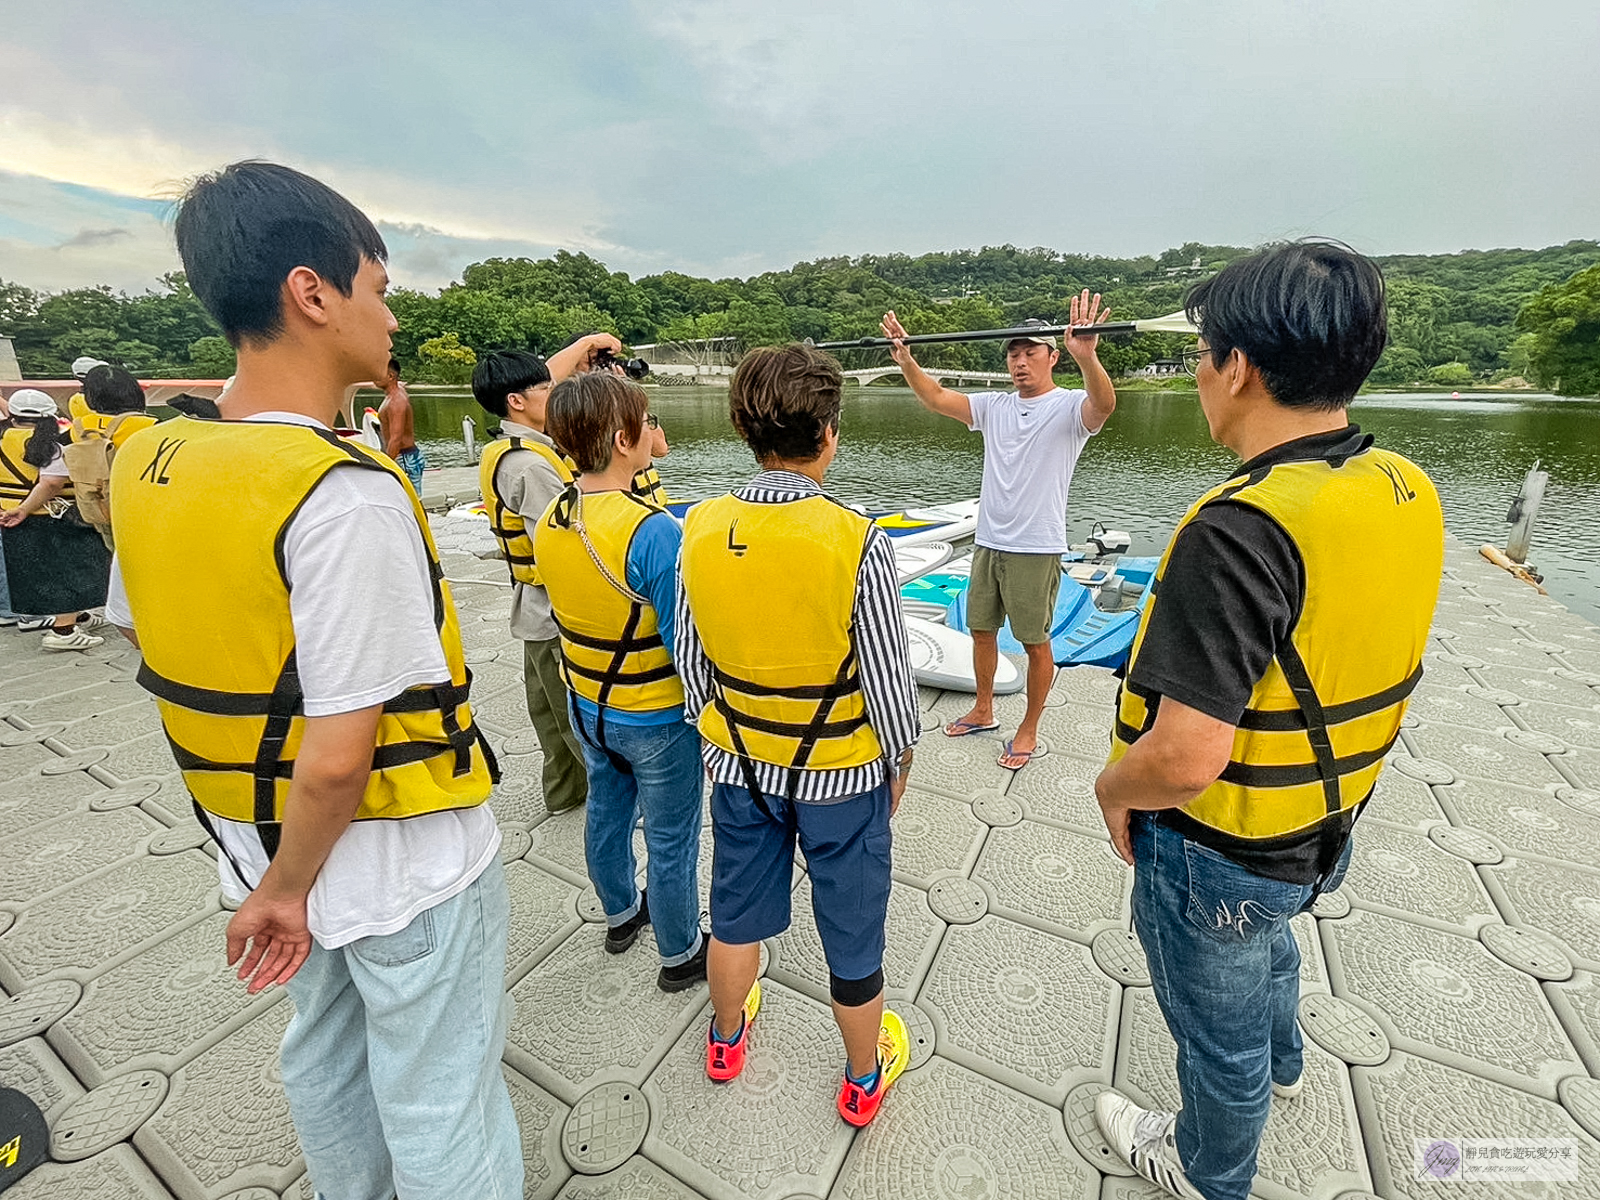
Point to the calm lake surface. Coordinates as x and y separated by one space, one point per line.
1155 457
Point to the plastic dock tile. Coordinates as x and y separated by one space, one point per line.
779 1132
1061 881
925 1143
1445 996
1409 1098
1023 1007
578 990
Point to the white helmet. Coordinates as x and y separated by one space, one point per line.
82 366
32 403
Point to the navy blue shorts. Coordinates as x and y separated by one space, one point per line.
847 847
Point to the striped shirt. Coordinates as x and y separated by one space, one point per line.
883 657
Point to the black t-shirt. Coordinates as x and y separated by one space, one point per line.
1231 594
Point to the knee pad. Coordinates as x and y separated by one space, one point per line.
853 993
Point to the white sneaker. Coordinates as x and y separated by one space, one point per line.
1290 1091
1145 1141
92 622
76 639
34 624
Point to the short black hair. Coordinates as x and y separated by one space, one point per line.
1309 315
501 372
242 229
110 390
784 399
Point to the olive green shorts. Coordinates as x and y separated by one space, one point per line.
1022 587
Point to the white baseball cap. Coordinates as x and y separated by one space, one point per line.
31 402
1040 339
82 366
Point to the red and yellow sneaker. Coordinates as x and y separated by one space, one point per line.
856 1104
724 1060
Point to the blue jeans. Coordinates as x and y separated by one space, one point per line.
412 463
1226 972
656 771
392 1061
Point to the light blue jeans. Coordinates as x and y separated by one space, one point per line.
392 1061
656 772
1226 973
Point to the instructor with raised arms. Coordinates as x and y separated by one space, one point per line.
1031 441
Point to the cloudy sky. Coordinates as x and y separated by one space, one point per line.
723 138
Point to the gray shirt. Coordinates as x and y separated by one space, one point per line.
528 484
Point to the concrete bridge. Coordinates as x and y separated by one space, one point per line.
944 375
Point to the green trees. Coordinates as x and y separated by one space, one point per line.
1452 316
1562 324
445 360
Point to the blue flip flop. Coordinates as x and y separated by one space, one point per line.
1025 755
968 728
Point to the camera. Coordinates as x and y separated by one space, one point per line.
633 368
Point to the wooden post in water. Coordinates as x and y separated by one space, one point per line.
467 431
1523 510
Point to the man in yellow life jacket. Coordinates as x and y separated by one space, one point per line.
610 563
519 475
796 668
332 756
1268 680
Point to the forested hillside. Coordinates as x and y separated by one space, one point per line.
1454 319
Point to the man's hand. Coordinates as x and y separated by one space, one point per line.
580 355
12 518
893 330
269 933
930 394
897 789
595 344
1116 818
1085 310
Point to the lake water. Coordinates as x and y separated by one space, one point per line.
1155 457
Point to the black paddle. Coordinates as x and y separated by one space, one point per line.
1172 323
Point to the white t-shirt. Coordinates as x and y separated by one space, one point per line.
1029 450
362 605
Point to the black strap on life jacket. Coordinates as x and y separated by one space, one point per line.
1299 679
846 682
20 483
1289 720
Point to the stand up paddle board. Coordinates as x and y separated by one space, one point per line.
913 562
942 658
939 523
930 595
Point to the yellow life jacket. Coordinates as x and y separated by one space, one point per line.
611 648
508 525
647 485
78 406
17 475
121 426
202 507
1311 742
772 588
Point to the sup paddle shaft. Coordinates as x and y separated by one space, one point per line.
1173 323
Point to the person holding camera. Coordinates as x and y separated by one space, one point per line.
520 475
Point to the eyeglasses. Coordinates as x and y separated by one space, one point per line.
653 421
1191 357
